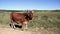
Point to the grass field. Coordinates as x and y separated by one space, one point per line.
42 21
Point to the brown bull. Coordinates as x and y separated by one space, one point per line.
22 18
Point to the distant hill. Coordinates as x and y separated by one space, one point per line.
34 10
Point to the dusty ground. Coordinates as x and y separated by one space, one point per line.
12 31
17 31
9 30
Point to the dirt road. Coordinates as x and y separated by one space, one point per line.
12 31
8 30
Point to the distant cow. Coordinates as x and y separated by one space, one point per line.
22 18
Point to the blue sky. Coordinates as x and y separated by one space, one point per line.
30 4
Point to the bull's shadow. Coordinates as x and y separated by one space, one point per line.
17 26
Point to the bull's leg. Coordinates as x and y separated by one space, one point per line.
12 24
24 25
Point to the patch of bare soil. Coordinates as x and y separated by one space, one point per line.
13 31
35 30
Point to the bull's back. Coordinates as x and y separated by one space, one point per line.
17 17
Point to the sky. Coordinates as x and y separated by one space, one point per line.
30 4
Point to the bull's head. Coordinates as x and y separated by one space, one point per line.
30 15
